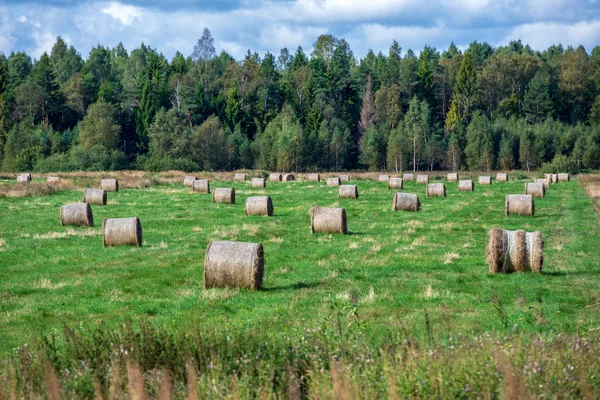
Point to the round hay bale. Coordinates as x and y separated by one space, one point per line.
328 220
485 180
384 178
452 177
396 183
258 183
554 178
234 264
406 202
501 177
76 214
189 180
535 189
348 192
52 179
520 204
345 178
466 185
408 177
96 197
239 177
422 179
24 178
201 186
515 251
289 177
314 177
259 205
334 181
122 232
562 177
110 185
224 195
275 177
435 190
544 182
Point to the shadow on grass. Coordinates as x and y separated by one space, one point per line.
565 273
293 286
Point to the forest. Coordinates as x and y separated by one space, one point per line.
481 108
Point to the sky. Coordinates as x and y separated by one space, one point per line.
270 25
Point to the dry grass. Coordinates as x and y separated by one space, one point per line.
67 233
450 257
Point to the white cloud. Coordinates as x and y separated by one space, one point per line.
127 14
542 35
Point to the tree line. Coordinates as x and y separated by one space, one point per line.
483 108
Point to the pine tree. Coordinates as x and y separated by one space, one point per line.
465 91
537 103
392 69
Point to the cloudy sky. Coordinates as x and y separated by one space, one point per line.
237 25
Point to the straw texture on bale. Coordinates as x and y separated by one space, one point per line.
521 204
345 178
258 183
408 177
275 178
189 180
224 195
501 177
122 232
348 192
239 177
334 181
436 190
328 220
452 177
110 185
384 178
201 186
259 205
289 177
52 179
406 202
234 264
485 180
466 185
544 182
515 251
96 197
535 189
395 183
422 179
314 177
23 178
76 214
562 177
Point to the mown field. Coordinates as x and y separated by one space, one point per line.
422 273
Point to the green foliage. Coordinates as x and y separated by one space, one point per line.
479 151
99 130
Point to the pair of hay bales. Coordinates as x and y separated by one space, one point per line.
314 177
485 180
544 182
552 178
535 189
23 178
466 185
110 185
395 183
514 251
435 190
259 205
348 192
406 202
519 204
224 195
328 220
201 186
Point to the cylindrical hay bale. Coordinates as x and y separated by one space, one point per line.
224 195
76 214
259 205
422 179
384 178
544 182
314 177
466 185
258 183
554 178
201 186
328 220
406 202
23 178
122 232
275 178
348 192
289 177
189 180
562 177
395 183
96 197
239 177
485 180
334 181
110 185
408 177
501 177
234 264
453 177
515 251
435 190
521 204
52 179
345 178
535 189
549 177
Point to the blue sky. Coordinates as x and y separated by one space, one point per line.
238 25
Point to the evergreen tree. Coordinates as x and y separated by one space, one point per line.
537 104
479 150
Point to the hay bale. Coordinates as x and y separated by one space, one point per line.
384 178
122 232
314 177
544 182
466 185
239 177
422 179
275 177
259 205
328 220
563 177
289 177
334 181
96 197
501 177
234 264
395 183
554 178
76 214
485 180
189 180
110 185
348 192
201 186
52 179
224 195
408 177
452 177
515 251
345 178
258 183
406 202
520 204
535 189
24 178
435 190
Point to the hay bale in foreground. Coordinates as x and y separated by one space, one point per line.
435 190
52 179
314 177
258 183
224 195
334 181
345 178
348 192
23 178
289 177
110 185
239 177
395 183
96 197
515 251
234 264
259 205
408 177
201 186
406 202
383 178
544 182
122 232
452 177
276 177
485 180
77 215
535 189
328 220
501 177
520 204
422 179
562 177
466 185
189 180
